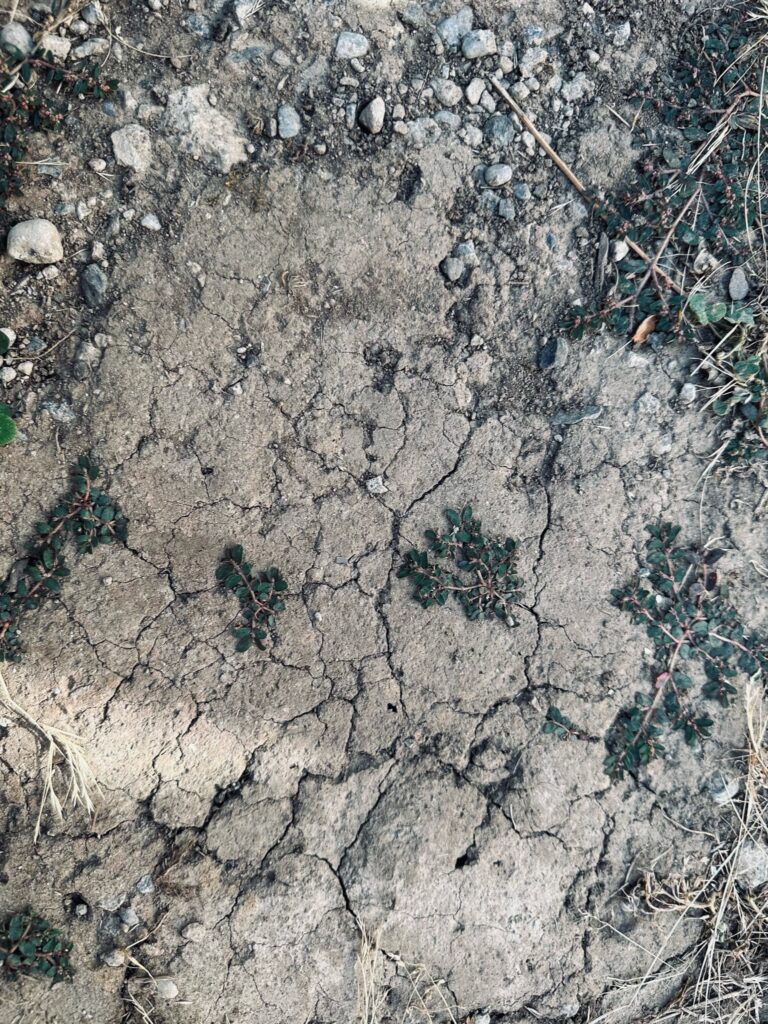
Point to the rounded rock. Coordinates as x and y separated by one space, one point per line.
15 40
738 286
446 91
166 989
350 45
371 117
288 121
35 241
132 147
497 175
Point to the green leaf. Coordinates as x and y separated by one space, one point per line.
7 429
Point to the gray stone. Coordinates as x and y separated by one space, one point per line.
132 147
91 48
497 175
622 34
752 864
448 119
474 91
531 59
376 485
446 91
288 121
166 989
112 903
371 117
566 419
522 192
466 251
578 87
351 44
553 354
93 285
35 241
499 130
7 375
452 268
204 133
57 45
129 917
91 13
506 210
480 43
413 16
688 393
145 885
453 29
15 39
738 286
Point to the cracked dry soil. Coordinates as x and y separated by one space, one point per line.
285 338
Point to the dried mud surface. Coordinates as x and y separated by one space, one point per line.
285 338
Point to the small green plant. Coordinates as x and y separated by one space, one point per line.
486 586
259 595
29 945
558 725
88 517
7 424
697 202
34 96
684 607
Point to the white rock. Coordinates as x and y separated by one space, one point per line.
129 917
59 46
7 375
26 368
738 286
288 121
531 59
481 43
446 91
474 91
371 117
622 34
619 250
752 864
166 989
497 175
98 165
452 268
91 48
35 241
204 133
132 147
351 44
15 39
376 485
453 29
688 393
151 222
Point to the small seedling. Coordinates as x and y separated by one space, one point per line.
29 945
259 595
34 96
558 725
89 518
683 605
486 586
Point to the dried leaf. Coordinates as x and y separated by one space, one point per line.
645 329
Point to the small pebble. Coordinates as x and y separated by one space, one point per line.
114 958
376 485
166 989
497 175
151 222
481 43
371 117
350 45
98 165
288 121
688 393
738 286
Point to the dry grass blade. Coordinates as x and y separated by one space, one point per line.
61 753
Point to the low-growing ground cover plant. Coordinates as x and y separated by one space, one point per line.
88 518
259 594
480 573
30 945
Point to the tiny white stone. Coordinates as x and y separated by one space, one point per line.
97 164
7 375
151 222
132 146
497 175
481 43
26 368
166 989
350 45
371 117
